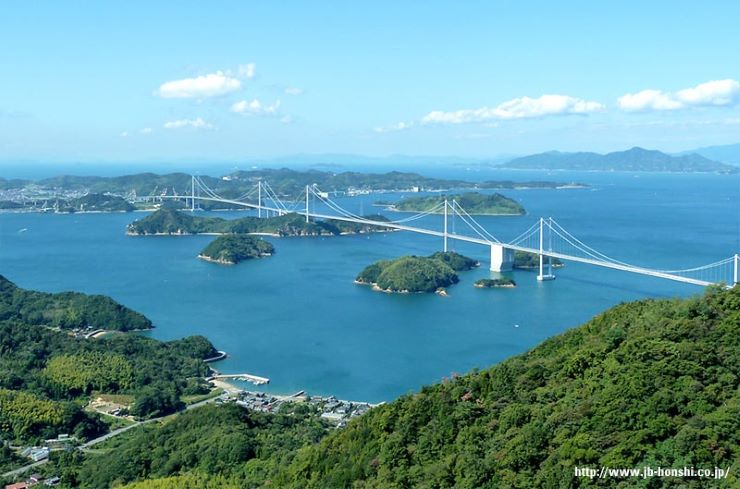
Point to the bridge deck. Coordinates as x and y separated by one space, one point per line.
468 239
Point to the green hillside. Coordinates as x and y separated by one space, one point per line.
652 383
647 383
66 310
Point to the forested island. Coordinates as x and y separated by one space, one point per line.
48 375
494 283
173 222
231 249
411 274
648 383
70 193
530 261
473 202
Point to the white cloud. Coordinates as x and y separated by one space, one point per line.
715 93
197 123
248 70
124 134
395 127
648 100
146 130
211 85
255 107
286 119
518 108
294 91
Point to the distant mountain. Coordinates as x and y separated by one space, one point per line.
635 159
727 153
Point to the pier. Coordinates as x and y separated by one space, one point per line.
254 379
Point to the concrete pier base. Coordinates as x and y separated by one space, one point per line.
502 259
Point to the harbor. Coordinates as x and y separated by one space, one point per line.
336 411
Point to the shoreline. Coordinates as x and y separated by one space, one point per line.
231 388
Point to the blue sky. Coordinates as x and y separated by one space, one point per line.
139 81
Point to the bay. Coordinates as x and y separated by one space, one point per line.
298 319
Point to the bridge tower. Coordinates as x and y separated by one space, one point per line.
306 203
192 193
259 198
445 232
735 271
542 276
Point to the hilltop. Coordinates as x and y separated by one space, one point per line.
635 159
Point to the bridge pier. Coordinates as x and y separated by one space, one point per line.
502 259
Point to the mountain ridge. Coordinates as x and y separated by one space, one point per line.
633 159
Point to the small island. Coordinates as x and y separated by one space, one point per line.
171 222
531 261
231 249
474 203
495 283
414 274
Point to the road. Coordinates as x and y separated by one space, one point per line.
13 473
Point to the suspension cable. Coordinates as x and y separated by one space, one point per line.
486 235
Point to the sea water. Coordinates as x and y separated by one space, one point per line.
298 319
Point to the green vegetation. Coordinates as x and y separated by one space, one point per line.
653 383
486 283
8 459
101 203
188 481
213 443
416 274
25 415
635 159
47 376
171 221
83 372
527 261
473 203
284 181
232 249
455 261
66 310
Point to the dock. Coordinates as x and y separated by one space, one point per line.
254 379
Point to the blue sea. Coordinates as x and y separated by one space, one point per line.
298 319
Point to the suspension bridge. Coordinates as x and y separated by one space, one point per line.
545 238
